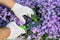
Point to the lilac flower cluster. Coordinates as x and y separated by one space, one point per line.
50 10
51 15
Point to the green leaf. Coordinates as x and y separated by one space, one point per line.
35 19
44 36
23 27
32 38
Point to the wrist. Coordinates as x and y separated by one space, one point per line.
4 33
15 30
10 5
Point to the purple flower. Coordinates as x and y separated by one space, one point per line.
29 37
34 30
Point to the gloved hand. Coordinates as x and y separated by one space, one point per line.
15 30
20 10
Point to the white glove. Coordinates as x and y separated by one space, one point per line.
15 30
20 10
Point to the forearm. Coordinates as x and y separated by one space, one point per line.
4 33
8 3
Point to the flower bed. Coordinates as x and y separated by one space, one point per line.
44 24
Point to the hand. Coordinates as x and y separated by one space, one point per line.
20 10
26 11
4 33
15 30
8 3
